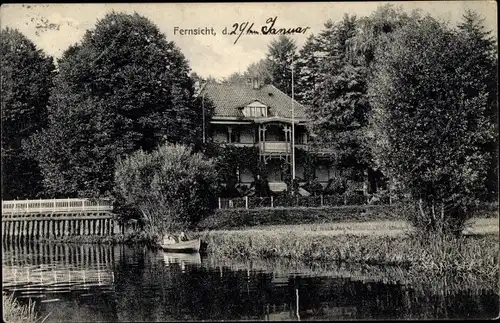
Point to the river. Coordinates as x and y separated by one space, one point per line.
122 283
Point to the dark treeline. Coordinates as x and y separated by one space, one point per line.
397 93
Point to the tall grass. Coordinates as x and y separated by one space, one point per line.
15 312
475 255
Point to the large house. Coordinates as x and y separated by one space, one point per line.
256 115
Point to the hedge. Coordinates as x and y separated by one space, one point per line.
237 218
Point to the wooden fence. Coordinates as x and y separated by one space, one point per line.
251 202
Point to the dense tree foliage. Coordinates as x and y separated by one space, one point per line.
27 75
280 55
430 114
172 187
307 67
481 62
340 105
229 161
375 30
259 70
123 88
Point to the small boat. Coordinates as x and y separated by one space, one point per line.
183 246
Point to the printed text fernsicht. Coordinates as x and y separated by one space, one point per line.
194 31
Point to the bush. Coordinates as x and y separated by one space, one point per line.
172 187
237 218
431 135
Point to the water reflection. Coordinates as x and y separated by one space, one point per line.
105 283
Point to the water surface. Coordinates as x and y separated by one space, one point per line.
121 283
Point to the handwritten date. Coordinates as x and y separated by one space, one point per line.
247 28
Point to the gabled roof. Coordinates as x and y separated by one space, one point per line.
230 98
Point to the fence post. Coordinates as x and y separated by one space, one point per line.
321 199
219 203
246 202
272 201
345 199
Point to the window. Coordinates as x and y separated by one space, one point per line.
255 110
234 136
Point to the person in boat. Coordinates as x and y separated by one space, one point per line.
183 237
168 239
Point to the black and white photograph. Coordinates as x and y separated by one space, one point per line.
249 161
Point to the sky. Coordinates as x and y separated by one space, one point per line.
54 27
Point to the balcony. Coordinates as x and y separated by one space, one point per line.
241 144
275 147
269 147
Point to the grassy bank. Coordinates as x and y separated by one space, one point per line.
375 243
15 312
243 218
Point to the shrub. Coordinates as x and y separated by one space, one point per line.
172 187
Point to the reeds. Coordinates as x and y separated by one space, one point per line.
15 312
475 255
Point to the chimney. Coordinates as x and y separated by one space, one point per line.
196 87
255 83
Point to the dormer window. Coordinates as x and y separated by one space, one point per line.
255 110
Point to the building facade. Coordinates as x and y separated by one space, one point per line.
254 115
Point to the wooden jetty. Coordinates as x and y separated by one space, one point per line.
57 218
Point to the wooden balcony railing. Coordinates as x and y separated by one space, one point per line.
275 147
55 205
270 147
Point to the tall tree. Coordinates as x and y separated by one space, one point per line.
260 70
376 30
481 62
281 53
308 66
433 127
123 88
27 75
340 105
